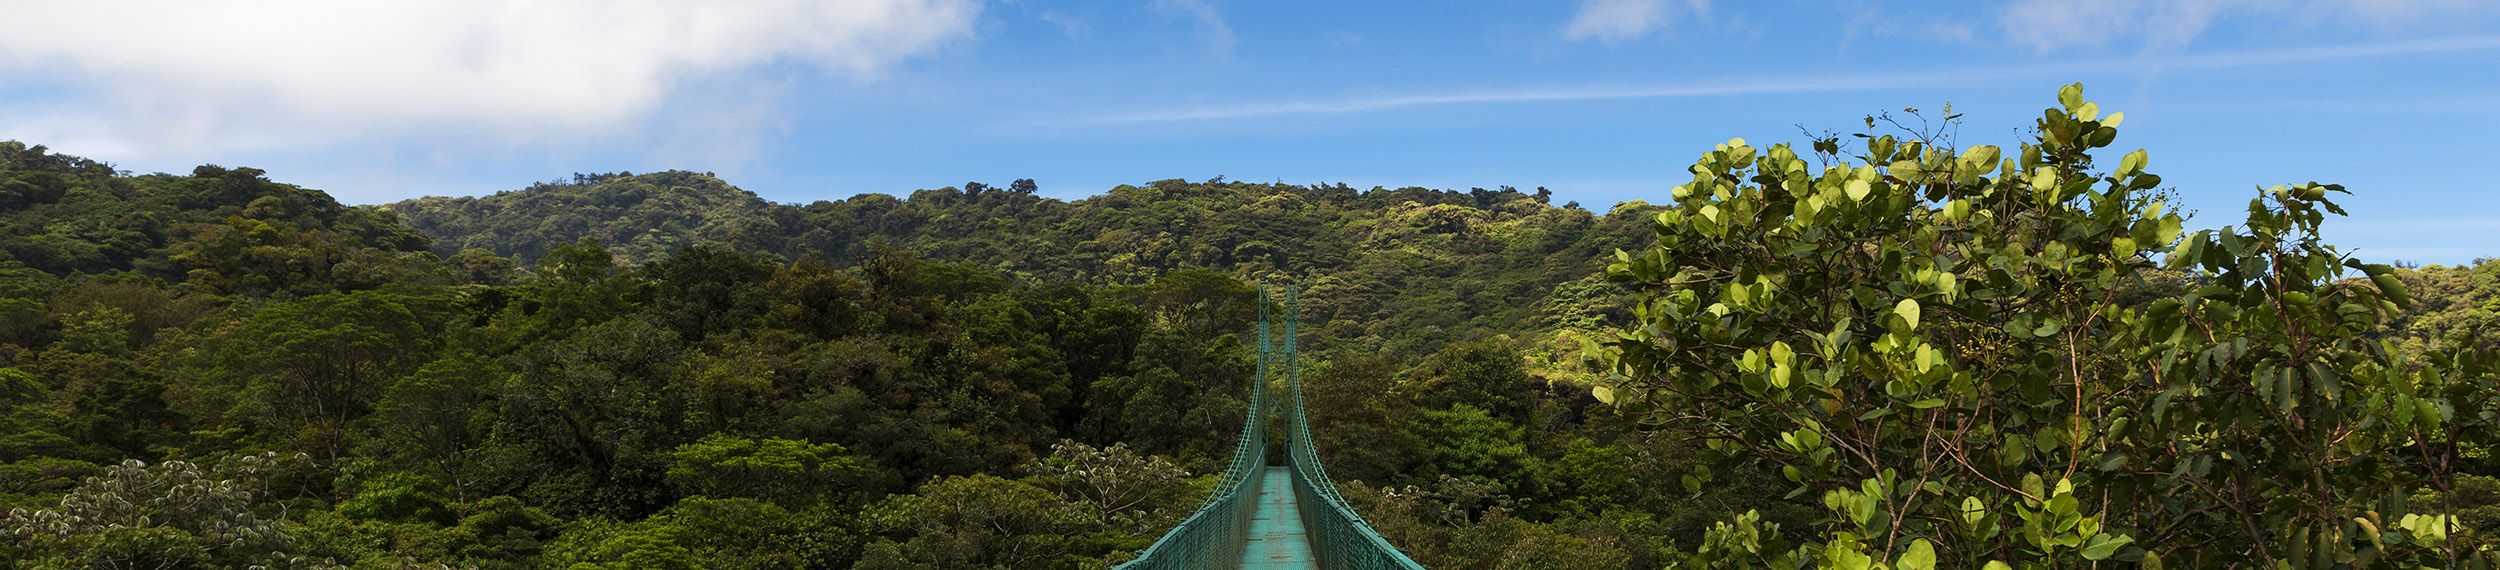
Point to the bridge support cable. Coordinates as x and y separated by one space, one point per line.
1339 535
1214 537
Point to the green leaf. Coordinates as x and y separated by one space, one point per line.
2112 461
1908 310
1921 556
2326 380
1858 189
1854 561
1927 403
2233 243
1983 155
2015 452
2394 289
2102 136
2102 546
2192 252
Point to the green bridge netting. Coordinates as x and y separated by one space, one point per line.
1216 535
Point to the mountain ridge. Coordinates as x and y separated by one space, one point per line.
1414 258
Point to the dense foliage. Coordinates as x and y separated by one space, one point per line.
1402 270
345 395
2454 307
1972 359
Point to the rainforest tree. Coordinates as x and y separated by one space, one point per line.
1974 358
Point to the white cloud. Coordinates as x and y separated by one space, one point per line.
2049 25
1895 22
1806 84
185 72
1618 20
1210 23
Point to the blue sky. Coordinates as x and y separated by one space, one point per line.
1600 100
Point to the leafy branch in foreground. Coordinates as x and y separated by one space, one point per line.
1978 360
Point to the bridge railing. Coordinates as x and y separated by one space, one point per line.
1212 536
1338 535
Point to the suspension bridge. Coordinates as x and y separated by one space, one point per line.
1274 517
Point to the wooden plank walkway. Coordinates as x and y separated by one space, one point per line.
1276 540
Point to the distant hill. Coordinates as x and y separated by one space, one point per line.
1408 265
639 217
218 230
68 213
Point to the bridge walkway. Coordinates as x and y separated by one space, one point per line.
1276 540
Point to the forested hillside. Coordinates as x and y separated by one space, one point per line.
925 399
1403 270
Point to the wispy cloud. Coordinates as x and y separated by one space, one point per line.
1898 22
2051 25
1342 38
1074 27
1853 83
1208 21
2414 226
190 73
1822 84
2328 53
1619 20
